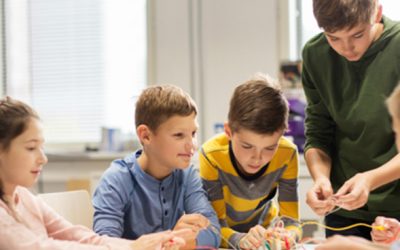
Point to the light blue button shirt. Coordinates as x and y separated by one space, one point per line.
129 203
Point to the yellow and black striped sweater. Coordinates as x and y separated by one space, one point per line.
242 203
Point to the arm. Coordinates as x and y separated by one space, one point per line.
288 196
109 202
354 192
49 231
319 141
196 202
212 185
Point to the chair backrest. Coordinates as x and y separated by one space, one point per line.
75 206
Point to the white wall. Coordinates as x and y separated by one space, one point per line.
208 47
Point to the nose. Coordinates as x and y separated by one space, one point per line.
191 145
348 46
257 156
42 158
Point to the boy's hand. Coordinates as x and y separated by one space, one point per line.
390 234
319 197
158 241
253 239
354 192
189 226
196 222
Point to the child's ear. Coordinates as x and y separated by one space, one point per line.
227 130
379 14
143 132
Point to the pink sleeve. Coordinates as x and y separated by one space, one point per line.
43 229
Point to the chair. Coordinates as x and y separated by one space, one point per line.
75 206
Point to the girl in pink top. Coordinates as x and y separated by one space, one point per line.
26 222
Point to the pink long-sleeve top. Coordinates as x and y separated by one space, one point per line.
39 227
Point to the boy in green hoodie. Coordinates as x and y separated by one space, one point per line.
348 69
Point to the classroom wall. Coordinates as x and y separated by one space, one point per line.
208 47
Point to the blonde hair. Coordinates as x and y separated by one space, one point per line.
158 103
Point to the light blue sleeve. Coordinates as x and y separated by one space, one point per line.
395 245
196 201
109 202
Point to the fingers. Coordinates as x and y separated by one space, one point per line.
254 238
194 221
390 232
319 198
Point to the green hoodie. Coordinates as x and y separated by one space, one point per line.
347 117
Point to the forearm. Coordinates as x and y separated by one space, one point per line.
318 163
388 172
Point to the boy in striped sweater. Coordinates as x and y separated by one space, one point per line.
244 168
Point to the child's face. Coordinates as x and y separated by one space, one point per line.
252 150
24 160
353 43
174 143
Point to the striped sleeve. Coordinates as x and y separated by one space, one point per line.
212 184
288 195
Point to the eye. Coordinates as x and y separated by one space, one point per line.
358 35
194 133
30 148
178 135
246 146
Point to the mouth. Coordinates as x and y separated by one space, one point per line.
36 172
254 167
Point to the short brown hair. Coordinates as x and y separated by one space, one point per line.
334 15
258 105
393 103
158 103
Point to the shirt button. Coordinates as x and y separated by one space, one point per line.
163 200
166 212
162 188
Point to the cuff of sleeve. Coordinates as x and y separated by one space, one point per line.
319 146
235 239
207 238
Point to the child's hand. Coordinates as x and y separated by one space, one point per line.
158 241
319 197
390 234
354 192
189 226
254 238
196 222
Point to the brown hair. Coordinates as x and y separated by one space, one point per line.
258 105
334 15
14 118
158 103
393 103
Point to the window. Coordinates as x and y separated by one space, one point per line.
79 63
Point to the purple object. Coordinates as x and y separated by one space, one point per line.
296 122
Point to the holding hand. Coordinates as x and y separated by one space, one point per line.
391 232
189 226
319 197
160 241
354 192
254 238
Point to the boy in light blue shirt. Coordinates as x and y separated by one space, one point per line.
156 188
